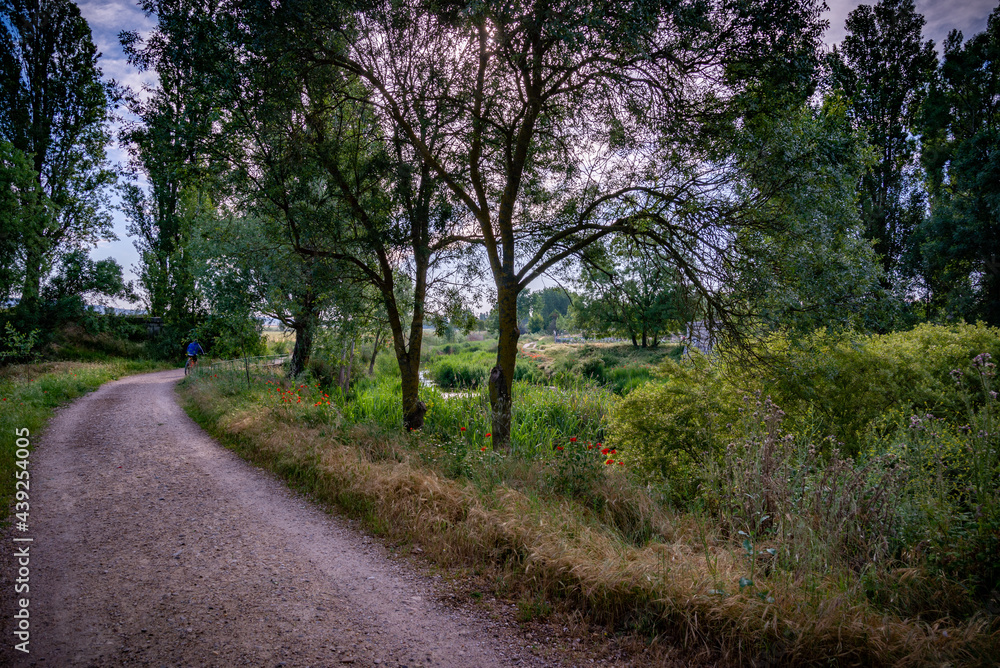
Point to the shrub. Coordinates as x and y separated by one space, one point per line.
844 384
671 430
17 346
951 509
815 513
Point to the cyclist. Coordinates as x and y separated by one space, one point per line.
193 350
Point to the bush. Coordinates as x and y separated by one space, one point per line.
672 430
844 385
817 513
17 346
951 509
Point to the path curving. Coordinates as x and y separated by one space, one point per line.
153 545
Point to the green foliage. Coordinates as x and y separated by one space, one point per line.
671 430
822 513
54 109
454 372
812 268
548 417
23 208
951 509
17 346
956 246
845 385
883 85
460 365
80 277
628 289
229 336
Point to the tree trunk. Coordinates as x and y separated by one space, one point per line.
345 371
645 343
32 282
340 370
303 346
635 344
413 409
371 363
502 375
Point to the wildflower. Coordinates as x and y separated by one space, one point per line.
605 450
558 447
461 428
613 451
610 461
621 463
572 439
482 449
488 435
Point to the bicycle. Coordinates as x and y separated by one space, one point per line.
190 364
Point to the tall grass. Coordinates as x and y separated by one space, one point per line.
553 524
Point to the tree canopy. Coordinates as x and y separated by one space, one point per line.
54 110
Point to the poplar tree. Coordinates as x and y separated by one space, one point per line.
54 110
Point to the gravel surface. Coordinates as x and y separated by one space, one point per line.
153 545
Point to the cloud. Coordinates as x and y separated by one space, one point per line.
114 16
942 17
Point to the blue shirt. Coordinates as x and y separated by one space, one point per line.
195 349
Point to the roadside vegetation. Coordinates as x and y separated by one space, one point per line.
836 503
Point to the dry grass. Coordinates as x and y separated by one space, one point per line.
670 589
272 334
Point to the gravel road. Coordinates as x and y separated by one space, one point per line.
153 545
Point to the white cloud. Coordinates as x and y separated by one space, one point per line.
942 17
108 18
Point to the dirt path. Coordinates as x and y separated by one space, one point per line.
153 545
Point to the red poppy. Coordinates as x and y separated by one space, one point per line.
461 428
483 449
610 461
488 435
572 439
605 451
558 447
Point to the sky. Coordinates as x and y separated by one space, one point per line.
107 18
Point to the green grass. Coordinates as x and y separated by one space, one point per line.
553 525
30 392
620 368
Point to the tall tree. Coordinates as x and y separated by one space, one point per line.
54 109
883 67
572 121
959 244
304 146
23 207
249 266
632 291
166 142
